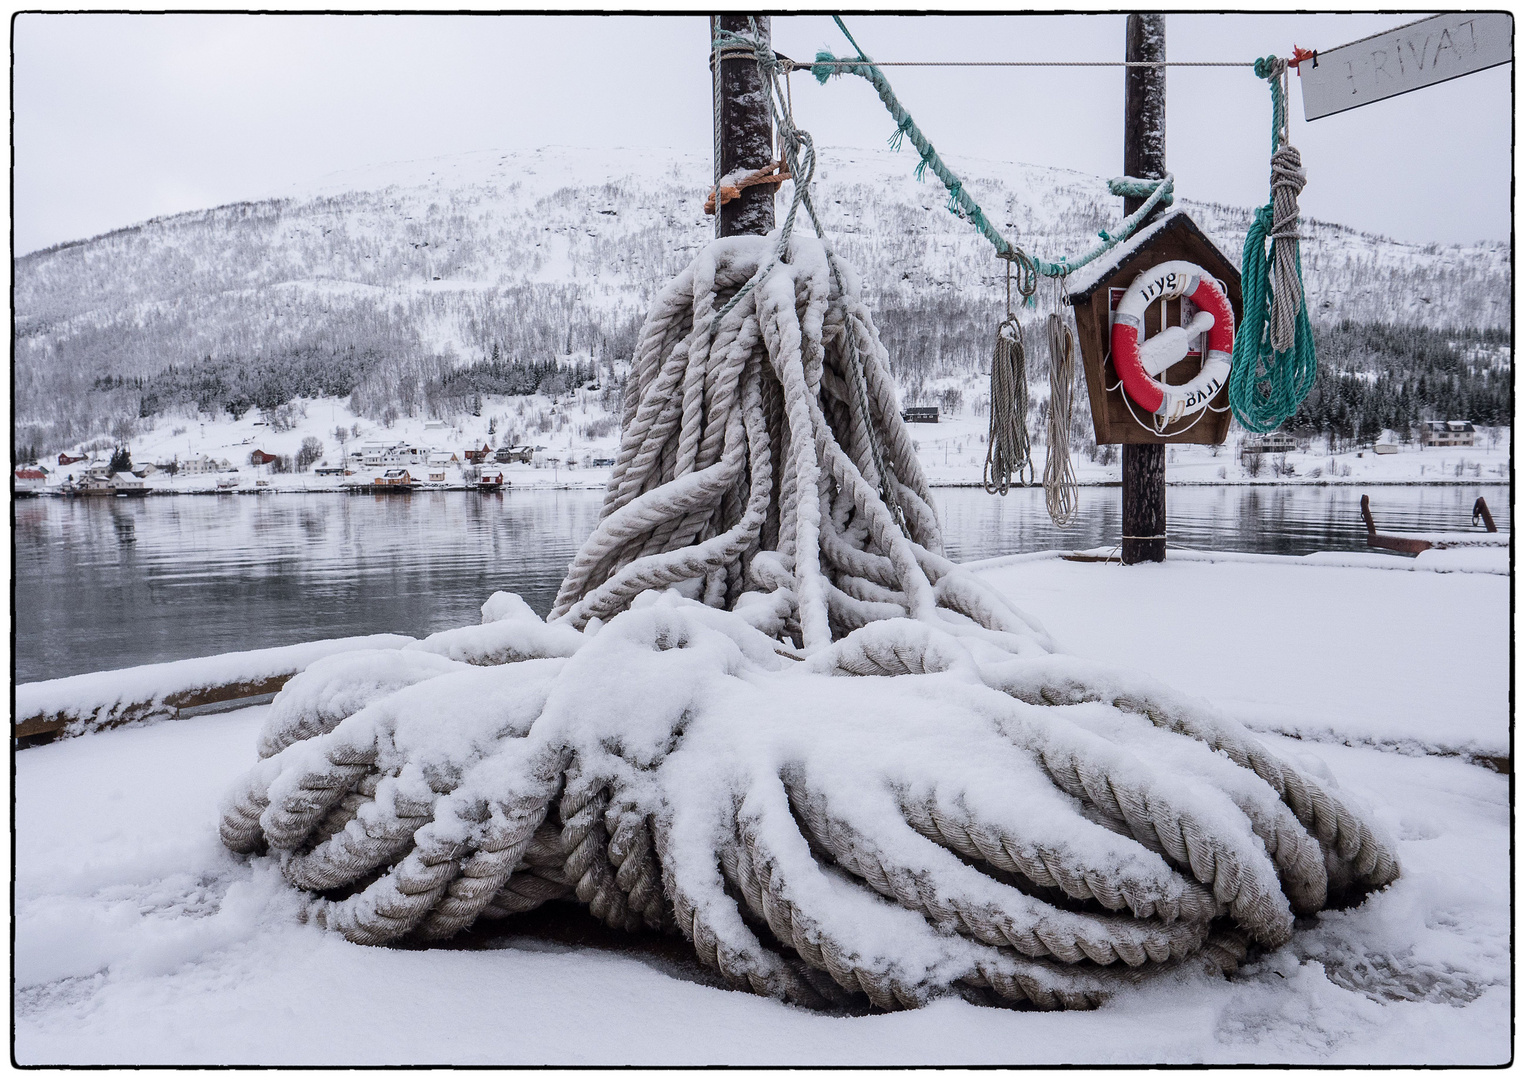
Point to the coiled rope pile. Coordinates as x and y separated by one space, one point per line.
767 715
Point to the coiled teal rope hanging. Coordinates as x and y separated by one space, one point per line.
1274 361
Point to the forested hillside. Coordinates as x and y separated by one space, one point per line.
420 286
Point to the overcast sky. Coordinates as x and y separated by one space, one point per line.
119 118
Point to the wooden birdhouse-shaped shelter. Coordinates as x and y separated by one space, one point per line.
1168 280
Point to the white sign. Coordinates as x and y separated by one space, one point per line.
1411 57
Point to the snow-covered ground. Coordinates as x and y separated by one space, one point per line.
952 451
140 939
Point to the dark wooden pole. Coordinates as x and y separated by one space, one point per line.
1144 156
746 131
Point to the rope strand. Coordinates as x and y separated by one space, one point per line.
1156 192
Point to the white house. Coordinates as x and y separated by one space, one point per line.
198 466
380 455
1447 433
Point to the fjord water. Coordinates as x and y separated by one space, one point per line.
108 583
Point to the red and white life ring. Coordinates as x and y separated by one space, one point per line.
1138 361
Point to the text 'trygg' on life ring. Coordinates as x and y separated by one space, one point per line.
1139 361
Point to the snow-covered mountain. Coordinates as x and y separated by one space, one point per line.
380 281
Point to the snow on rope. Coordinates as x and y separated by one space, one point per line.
767 718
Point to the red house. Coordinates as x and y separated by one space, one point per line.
65 459
259 457
476 456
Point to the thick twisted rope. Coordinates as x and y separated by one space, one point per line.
1274 359
773 396
409 837
1065 831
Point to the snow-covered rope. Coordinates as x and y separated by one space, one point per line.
924 807
765 716
751 430
995 819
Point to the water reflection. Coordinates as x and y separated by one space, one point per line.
105 583
1284 520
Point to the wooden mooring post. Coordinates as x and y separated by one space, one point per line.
1144 156
744 129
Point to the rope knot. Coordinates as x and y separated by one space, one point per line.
1287 170
1270 67
1287 182
824 67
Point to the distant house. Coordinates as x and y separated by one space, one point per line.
259 457
398 478
69 459
920 414
199 466
476 457
507 454
1447 433
1272 442
30 480
96 481
381 455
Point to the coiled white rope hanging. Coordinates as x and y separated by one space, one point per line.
1061 494
1008 449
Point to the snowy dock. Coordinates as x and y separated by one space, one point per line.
139 939
78 704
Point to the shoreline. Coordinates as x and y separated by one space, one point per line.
951 484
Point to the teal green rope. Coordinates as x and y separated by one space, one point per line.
1266 386
1155 192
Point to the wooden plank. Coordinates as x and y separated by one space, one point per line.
167 709
101 699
